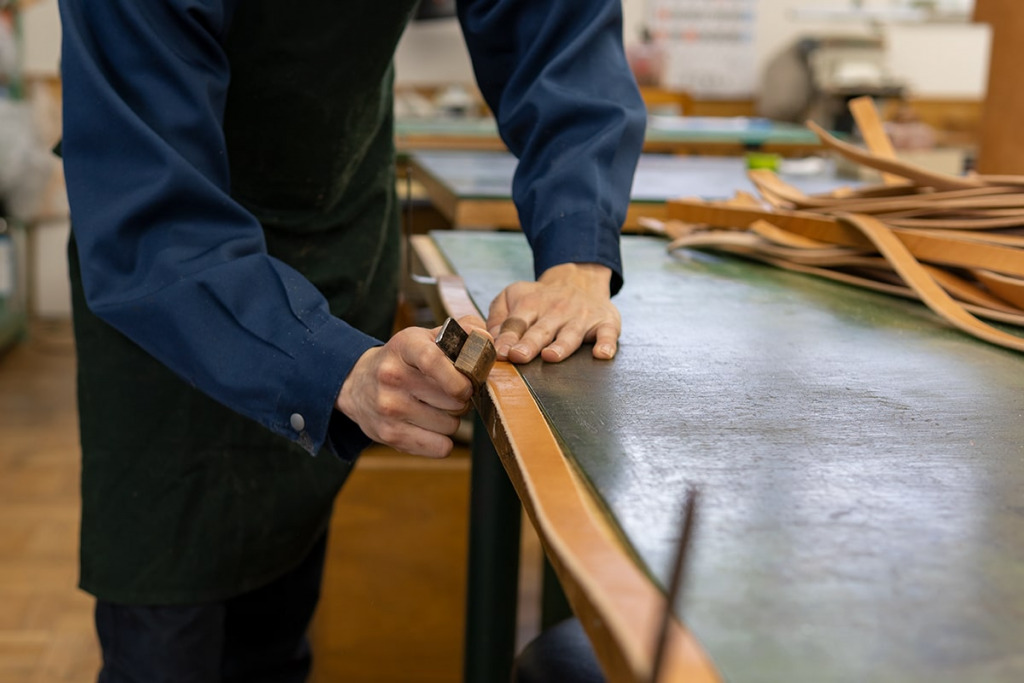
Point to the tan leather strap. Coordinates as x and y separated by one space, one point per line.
902 237
903 169
873 191
871 129
618 605
749 242
1008 288
751 245
1004 238
949 200
896 254
873 284
895 251
1002 179
785 238
956 223
925 245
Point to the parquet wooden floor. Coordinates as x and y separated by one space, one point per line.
46 631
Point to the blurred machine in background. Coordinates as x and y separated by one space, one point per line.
816 77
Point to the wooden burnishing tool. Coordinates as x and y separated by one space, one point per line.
472 352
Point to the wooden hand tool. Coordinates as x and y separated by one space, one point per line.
473 353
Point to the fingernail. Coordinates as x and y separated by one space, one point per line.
502 350
521 348
604 350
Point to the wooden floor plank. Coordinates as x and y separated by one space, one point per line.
46 633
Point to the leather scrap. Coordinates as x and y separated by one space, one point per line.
955 243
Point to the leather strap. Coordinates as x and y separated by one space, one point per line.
871 129
958 223
884 287
955 243
1008 288
917 278
999 267
911 172
619 606
987 197
750 244
925 245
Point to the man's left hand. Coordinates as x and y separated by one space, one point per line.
568 305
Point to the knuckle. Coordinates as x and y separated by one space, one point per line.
520 287
388 407
388 433
390 373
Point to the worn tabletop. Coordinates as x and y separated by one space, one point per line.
861 464
659 177
672 134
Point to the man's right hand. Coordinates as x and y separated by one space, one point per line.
406 394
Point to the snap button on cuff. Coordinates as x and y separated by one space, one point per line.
298 422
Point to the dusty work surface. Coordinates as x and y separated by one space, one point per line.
861 464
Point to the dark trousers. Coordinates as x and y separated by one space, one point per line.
561 654
257 637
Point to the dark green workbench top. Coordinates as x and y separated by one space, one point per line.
861 464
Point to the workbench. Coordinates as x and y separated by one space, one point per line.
717 135
473 189
860 464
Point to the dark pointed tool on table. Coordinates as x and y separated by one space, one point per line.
675 584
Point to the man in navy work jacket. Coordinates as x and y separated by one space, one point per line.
234 264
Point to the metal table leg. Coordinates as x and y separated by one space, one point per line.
494 525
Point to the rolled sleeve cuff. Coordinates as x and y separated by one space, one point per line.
572 238
305 411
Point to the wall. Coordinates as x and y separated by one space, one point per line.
41 26
441 40
449 61
960 48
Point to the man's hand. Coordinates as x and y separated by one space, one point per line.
568 304
407 394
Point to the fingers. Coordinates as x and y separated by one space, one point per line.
412 426
605 337
435 380
516 326
555 346
407 394
510 333
568 339
541 334
555 339
606 341
553 321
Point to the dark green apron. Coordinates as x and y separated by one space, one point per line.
182 499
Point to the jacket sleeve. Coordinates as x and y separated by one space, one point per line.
555 75
168 258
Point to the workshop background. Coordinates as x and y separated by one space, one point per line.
395 580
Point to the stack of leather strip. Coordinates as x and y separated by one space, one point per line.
954 242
